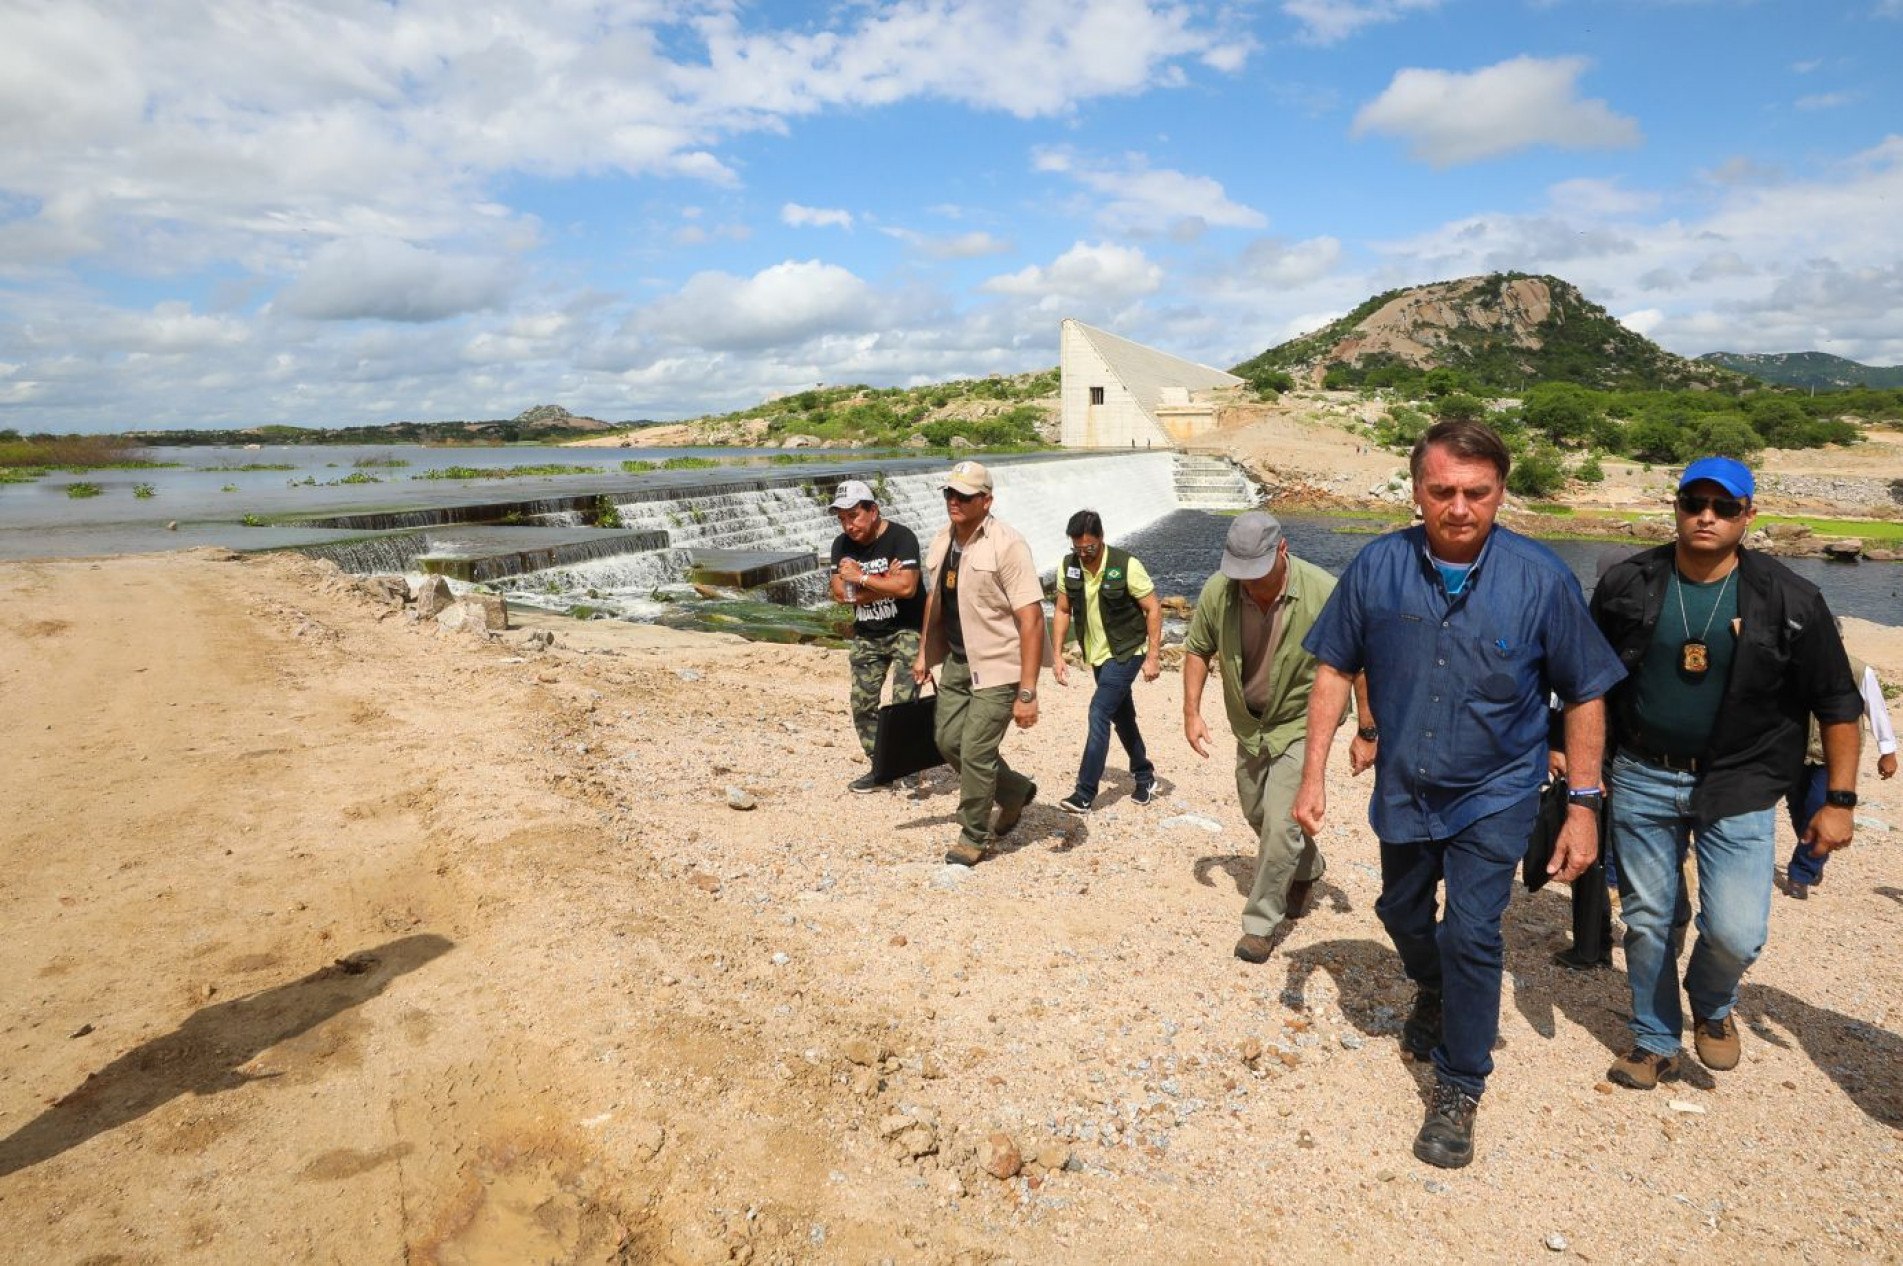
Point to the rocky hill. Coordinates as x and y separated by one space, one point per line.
1807 369
1504 330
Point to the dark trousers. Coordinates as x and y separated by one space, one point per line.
1457 950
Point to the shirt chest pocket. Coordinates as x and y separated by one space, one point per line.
1500 670
1763 664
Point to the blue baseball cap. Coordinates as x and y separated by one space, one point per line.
1727 472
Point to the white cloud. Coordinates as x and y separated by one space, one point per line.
1096 271
1825 100
1643 321
814 217
972 245
392 281
1283 265
1448 118
787 303
1027 57
1329 21
1130 196
1598 198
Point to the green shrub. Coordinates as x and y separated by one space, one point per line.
80 491
689 463
1538 473
635 466
1590 471
144 492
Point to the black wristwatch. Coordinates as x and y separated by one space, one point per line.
1594 799
1369 733
1841 799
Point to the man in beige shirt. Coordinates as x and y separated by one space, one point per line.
984 627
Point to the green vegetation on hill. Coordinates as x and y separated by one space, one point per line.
1820 370
991 413
1559 430
1490 343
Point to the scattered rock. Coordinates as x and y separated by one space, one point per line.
999 1157
1556 1242
687 674
1685 1105
741 798
1196 820
647 1139
432 596
918 1141
894 1125
863 1051
1251 1051
81 1031
1351 1041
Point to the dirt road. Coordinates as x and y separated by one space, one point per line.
335 937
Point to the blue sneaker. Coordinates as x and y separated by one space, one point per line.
1144 794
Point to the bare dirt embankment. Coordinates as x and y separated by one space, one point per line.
337 937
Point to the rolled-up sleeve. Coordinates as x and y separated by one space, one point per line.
1017 575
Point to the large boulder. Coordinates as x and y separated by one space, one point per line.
432 596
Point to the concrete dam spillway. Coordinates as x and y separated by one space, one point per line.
769 534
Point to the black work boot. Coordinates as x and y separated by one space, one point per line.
1447 1136
1421 1034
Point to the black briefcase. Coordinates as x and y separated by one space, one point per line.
1539 845
907 741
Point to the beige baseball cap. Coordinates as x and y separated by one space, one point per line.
969 478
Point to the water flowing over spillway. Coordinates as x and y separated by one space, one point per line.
660 533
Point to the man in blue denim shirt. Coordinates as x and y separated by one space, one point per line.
1463 628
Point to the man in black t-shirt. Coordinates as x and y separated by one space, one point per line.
875 567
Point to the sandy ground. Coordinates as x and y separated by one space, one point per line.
335 937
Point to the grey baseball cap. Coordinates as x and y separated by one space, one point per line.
1249 552
851 493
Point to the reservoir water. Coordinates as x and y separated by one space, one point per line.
208 496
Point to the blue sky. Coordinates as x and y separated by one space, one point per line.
221 213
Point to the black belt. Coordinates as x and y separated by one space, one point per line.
1677 764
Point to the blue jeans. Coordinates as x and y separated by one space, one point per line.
1652 826
1804 800
1111 706
1462 953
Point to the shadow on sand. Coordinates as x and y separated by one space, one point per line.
203 1056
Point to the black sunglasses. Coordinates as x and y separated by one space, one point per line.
952 494
1723 507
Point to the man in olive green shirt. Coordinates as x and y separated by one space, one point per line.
1253 614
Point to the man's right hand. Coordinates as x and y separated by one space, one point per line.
1311 802
1060 670
920 673
1197 733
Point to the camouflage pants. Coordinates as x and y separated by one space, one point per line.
871 658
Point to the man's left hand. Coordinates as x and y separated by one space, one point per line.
1025 714
1577 845
1886 766
1829 830
1152 666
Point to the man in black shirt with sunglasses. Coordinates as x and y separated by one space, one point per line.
1728 654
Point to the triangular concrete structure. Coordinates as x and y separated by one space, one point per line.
1119 394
